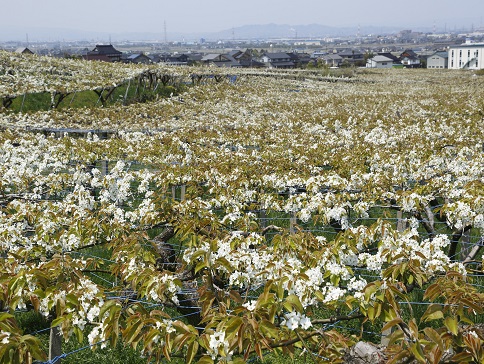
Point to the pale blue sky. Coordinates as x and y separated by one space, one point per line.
213 15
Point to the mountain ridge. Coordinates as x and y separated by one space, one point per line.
247 32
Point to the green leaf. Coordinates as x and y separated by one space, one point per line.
433 312
198 254
57 321
72 298
295 302
205 360
5 316
35 346
462 358
392 323
399 358
181 326
233 326
418 353
476 307
200 266
435 337
107 306
452 325
374 311
191 351
224 263
268 328
133 331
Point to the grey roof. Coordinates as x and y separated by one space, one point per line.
235 53
389 55
333 57
443 54
350 53
410 52
104 49
195 56
278 55
211 57
381 59
23 50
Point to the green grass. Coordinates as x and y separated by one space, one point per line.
124 94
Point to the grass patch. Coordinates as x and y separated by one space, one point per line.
123 95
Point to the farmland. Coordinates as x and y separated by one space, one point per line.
248 214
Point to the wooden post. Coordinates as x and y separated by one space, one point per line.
182 193
292 223
23 102
126 93
104 168
55 343
464 245
262 219
401 226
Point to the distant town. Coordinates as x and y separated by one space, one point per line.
406 48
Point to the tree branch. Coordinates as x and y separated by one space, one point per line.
334 319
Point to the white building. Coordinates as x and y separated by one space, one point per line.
467 56
379 62
438 60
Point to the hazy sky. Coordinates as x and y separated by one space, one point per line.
213 15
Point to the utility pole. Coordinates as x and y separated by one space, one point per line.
164 32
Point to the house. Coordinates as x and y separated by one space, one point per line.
467 56
139 58
23 50
156 58
395 59
245 59
193 58
300 59
332 60
318 54
438 60
352 57
409 59
175 59
106 53
220 60
277 60
379 62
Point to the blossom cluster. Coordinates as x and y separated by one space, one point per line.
258 187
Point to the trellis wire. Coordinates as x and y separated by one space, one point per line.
283 219
65 355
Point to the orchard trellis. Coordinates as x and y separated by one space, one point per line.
270 214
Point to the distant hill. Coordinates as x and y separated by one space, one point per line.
252 32
266 31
